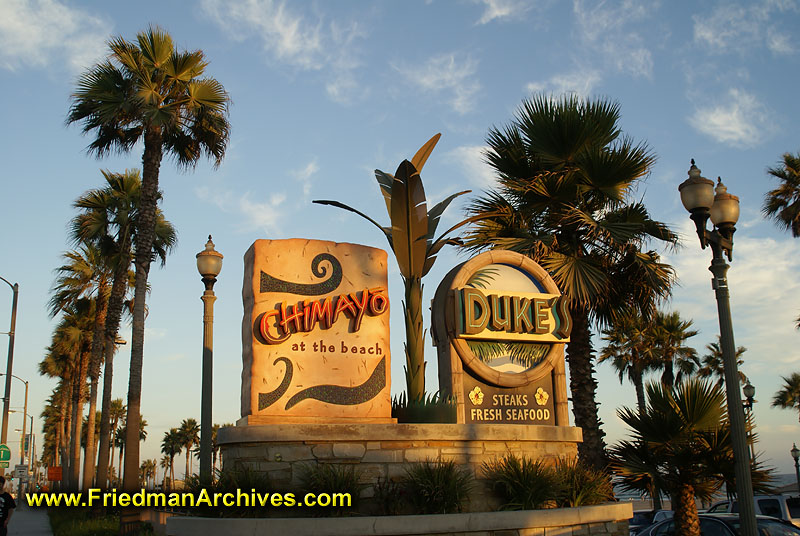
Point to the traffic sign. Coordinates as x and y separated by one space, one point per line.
5 453
54 473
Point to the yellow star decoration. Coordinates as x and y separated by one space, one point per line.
541 396
476 396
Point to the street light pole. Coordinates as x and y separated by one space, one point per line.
209 264
9 366
698 197
749 394
24 415
795 452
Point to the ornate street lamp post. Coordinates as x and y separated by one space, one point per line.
7 395
699 198
795 452
209 264
749 391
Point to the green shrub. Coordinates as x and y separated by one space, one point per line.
78 522
432 408
579 485
436 487
522 483
388 496
332 478
229 481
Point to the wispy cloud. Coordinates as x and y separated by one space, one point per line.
303 175
289 38
739 119
579 82
451 74
261 214
43 33
741 28
470 159
502 10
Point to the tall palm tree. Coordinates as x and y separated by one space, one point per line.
108 218
788 397
73 337
171 446
671 332
116 413
630 349
190 437
681 443
565 178
713 364
783 203
86 274
149 91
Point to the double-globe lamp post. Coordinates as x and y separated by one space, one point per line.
699 197
795 452
7 395
209 264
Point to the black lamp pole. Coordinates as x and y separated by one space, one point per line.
9 365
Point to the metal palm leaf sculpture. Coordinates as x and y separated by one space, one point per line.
412 238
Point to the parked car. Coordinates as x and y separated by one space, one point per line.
726 525
643 519
780 506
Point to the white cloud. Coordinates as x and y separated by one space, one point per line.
739 120
471 161
611 30
741 28
264 215
579 82
448 74
303 175
292 39
41 33
502 9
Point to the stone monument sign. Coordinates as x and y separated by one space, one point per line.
500 325
315 334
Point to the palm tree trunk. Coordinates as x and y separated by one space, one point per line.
110 469
186 473
73 481
638 382
415 343
583 386
115 306
686 521
668 377
151 161
171 473
94 374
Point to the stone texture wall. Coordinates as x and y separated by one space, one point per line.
600 520
384 451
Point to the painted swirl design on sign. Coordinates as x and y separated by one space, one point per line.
345 396
273 284
267 399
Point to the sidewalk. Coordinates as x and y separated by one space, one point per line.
29 521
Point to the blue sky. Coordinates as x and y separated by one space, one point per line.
325 92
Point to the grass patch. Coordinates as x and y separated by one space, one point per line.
78 522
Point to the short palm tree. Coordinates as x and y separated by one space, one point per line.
788 397
108 220
670 334
714 366
681 443
116 414
190 437
148 91
565 177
